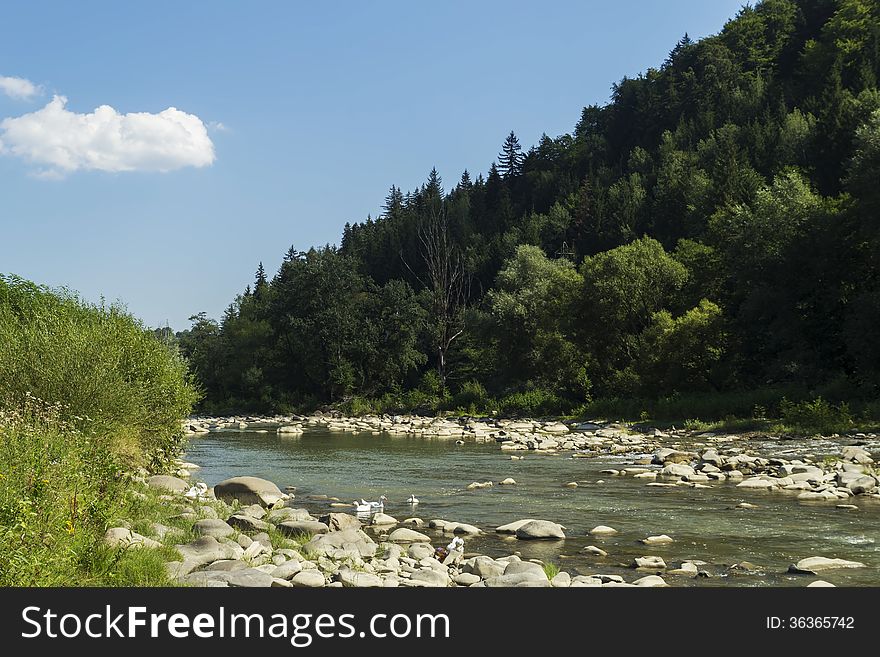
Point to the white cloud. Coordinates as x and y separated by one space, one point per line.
218 126
105 140
18 88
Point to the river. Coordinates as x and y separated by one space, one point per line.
704 523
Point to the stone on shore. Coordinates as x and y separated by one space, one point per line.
248 490
404 535
347 542
169 483
339 521
247 523
302 527
308 579
212 527
121 537
381 519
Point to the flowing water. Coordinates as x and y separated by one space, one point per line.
704 523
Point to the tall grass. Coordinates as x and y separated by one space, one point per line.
110 376
86 394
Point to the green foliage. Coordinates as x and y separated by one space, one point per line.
815 417
723 207
533 403
551 570
109 375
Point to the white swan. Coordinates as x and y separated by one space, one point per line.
362 506
412 499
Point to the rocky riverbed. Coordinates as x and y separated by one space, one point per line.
247 532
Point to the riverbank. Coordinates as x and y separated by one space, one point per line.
317 534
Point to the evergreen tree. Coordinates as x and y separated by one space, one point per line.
510 159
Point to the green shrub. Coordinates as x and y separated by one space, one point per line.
815 417
534 402
109 375
471 398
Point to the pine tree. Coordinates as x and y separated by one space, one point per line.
510 159
260 282
393 202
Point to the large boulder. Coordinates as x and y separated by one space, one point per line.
339 521
855 454
517 567
540 529
430 577
347 542
248 490
169 483
511 527
483 566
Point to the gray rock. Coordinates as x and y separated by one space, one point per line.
302 528
466 579
856 454
404 535
517 567
813 565
677 470
121 537
430 577
166 482
247 523
287 570
206 550
585 581
246 578
227 565
820 583
516 579
359 580
382 519
248 490
662 539
308 579
649 563
602 530
562 580
861 484
511 527
650 581
483 566
254 510
347 542
284 514
339 521
592 549
419 551
212 527
540 529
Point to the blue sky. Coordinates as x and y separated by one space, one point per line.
291 119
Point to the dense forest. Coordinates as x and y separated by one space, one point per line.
710 233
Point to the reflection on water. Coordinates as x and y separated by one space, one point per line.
704 522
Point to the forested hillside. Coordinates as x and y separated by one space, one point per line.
712 231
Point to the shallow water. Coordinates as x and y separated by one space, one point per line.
703 522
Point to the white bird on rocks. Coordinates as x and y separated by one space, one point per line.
412 499
197 491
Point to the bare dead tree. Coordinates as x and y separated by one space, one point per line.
447 279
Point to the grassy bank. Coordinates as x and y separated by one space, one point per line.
87 395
